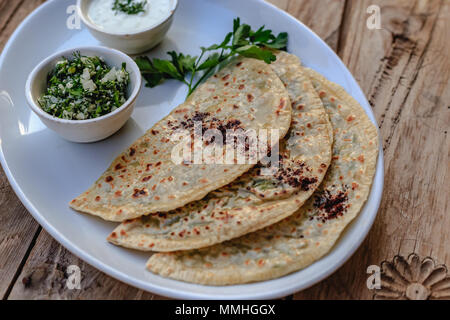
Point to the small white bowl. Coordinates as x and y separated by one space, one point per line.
89 130
131 43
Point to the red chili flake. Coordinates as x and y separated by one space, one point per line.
97 198
109 179
123 233
154 187
226 77
118 193
154 132
113 235
170 178
151 245
148 166
361 158
250 97
132 152
145 179
261 262
226 84
351 118
238 64
158 164
157 198
185 183
155 152
118 167
203 180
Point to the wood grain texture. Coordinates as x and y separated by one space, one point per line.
403 69
17 227
45 276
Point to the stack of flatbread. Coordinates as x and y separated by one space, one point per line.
223 224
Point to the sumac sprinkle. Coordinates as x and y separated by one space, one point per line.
139 193
333 205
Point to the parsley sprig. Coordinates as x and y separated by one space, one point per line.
193 70
129 6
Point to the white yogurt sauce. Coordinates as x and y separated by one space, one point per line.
100 12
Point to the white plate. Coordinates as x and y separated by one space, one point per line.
47 172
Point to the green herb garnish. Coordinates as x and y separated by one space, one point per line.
193 70
84 87
129 6
263 184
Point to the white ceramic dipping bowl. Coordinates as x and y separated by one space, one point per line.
89 130
131 43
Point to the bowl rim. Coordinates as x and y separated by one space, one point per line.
101 51
92 25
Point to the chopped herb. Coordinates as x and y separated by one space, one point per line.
193 70
263 184
129 6
82 87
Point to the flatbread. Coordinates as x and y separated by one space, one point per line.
254 201
310 233
245 95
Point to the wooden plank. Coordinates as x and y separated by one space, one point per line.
324 17
12 14
404 70
45 276
17 227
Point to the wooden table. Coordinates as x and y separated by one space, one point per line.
404 70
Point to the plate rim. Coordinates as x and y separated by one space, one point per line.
179 294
